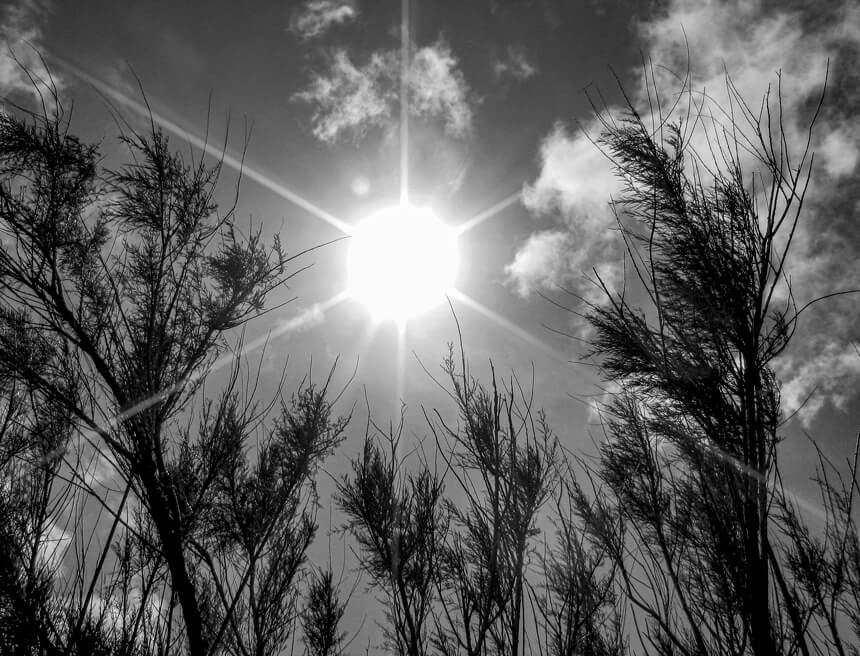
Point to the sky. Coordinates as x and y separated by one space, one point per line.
500 122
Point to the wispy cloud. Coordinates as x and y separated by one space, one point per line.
548 258
53 545
438 89
21 41
829 375
316 17
515 63
753 42
574 186
350 98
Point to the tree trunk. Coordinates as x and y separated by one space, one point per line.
169 533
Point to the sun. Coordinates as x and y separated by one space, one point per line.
402 262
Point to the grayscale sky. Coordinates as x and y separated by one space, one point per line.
500 119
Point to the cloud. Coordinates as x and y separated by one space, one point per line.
753 41
543 261
349 99
576 181
318 16
550 259
118 609
574 186
20 46
764 47
809 383
302 321
516 64
838 149
438 88
53 546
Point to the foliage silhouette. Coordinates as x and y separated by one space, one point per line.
118 289
709 555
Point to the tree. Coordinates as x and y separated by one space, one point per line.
323 612
397 521
504 458
118 290
454 569
579 611
694 522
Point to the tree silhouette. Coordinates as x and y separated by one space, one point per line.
398 522
707 560
503 457
454 568
118 289
323 612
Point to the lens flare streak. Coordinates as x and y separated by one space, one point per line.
233 162
488 213
508 325
400 388
404 103
289 325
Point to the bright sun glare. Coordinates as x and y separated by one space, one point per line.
402 261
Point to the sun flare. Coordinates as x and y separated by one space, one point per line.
402 262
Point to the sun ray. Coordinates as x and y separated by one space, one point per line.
488 213
362 344
808 505
800 500
509 325
404 103
400 387
286 326
289 325
233 162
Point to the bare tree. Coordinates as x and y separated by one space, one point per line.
503 457
455 568
579 609
693 520
823 567
398 521
118 290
